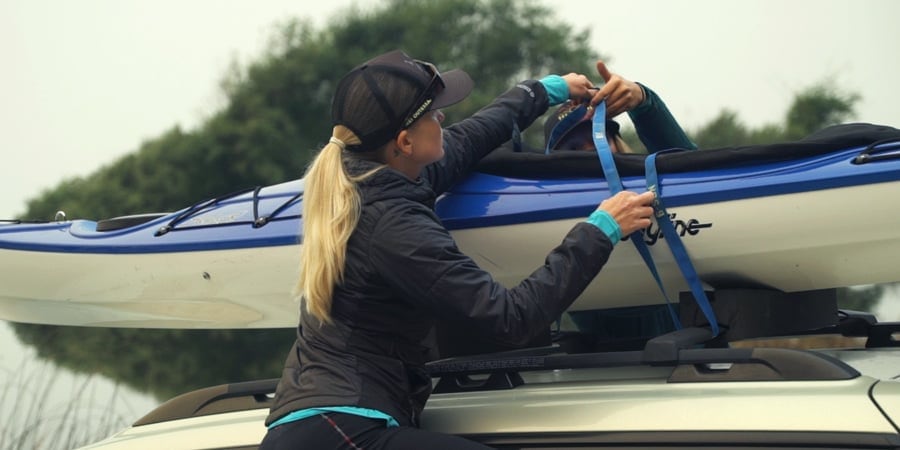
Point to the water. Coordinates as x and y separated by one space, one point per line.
43 406
888 309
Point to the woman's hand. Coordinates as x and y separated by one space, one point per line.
579 87
621 95
630 210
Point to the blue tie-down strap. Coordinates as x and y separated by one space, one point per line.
675 245
614 182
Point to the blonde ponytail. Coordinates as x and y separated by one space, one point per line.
331 208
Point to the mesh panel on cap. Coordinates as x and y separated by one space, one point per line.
368 115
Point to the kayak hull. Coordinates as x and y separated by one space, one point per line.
815 223
789 243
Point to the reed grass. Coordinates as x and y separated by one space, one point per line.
44 408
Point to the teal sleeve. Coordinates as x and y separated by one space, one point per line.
655 125
602 220
557 89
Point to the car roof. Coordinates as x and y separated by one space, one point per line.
676 389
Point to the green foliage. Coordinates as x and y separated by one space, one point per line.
812 109
163 362
819 106
861 298
727 130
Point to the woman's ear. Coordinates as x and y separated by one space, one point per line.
403 143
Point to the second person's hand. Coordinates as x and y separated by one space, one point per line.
621 95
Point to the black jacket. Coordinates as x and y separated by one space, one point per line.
403 270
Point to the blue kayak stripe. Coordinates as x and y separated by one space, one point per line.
481 201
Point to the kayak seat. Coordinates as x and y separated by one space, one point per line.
118 223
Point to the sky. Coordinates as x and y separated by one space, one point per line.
84 83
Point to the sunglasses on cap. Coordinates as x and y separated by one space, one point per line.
434 88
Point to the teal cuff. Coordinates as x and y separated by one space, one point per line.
605 222
557 89
356 411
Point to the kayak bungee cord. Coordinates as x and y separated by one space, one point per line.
59 217
870 153
261 221
257 222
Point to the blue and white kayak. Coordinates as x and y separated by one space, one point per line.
813 214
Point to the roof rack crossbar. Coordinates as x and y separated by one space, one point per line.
676 349
665 349
213 400
883 335
758 364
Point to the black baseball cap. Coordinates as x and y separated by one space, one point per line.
571 119
368 102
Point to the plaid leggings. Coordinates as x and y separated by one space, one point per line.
346 431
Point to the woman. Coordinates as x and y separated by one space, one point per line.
377 266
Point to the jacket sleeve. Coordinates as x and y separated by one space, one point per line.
656 127
426 267
467 141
